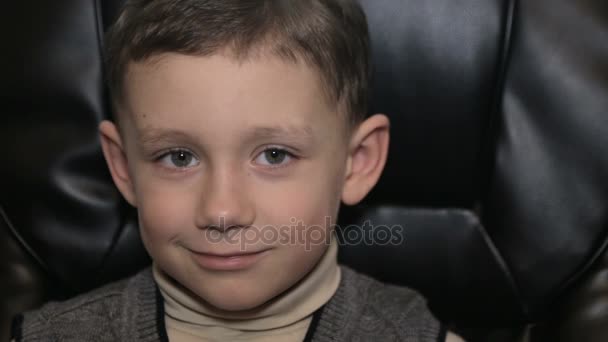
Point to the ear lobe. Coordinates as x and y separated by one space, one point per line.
368 152
114 153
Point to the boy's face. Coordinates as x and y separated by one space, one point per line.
225 158
216 148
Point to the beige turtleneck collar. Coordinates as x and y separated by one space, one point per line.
284 318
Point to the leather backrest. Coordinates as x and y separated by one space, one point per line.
497 168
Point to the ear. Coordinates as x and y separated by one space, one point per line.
114 152
367 157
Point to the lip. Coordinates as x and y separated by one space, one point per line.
228 261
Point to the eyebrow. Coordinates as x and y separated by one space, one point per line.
151 136
274 132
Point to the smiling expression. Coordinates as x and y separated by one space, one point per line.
216 145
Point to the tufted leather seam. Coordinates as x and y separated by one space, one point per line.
486 165
484 159
99 25
21 241
490 137
28 250
583 267
502 264
493 249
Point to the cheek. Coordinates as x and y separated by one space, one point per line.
164 212
309 198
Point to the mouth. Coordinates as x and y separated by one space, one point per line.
229 261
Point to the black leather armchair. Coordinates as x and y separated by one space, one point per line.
498 169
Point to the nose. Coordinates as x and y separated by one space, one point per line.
224 202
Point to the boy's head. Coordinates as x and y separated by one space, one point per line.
241 130
328 36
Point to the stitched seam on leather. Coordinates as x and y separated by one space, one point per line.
502 264
583 267
490 140
99 30
496 253
21 241
486 155
508 40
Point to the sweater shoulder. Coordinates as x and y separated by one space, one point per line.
93 315
397 312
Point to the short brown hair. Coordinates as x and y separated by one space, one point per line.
329 35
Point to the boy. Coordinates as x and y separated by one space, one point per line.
239 128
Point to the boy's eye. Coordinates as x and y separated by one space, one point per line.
179 159
273 157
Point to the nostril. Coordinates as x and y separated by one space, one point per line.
213 227
224 228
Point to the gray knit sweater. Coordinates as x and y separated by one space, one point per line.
362 309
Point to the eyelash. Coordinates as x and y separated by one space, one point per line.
288 154
173 152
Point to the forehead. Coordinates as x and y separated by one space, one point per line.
176 91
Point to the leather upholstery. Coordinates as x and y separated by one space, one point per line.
498 168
